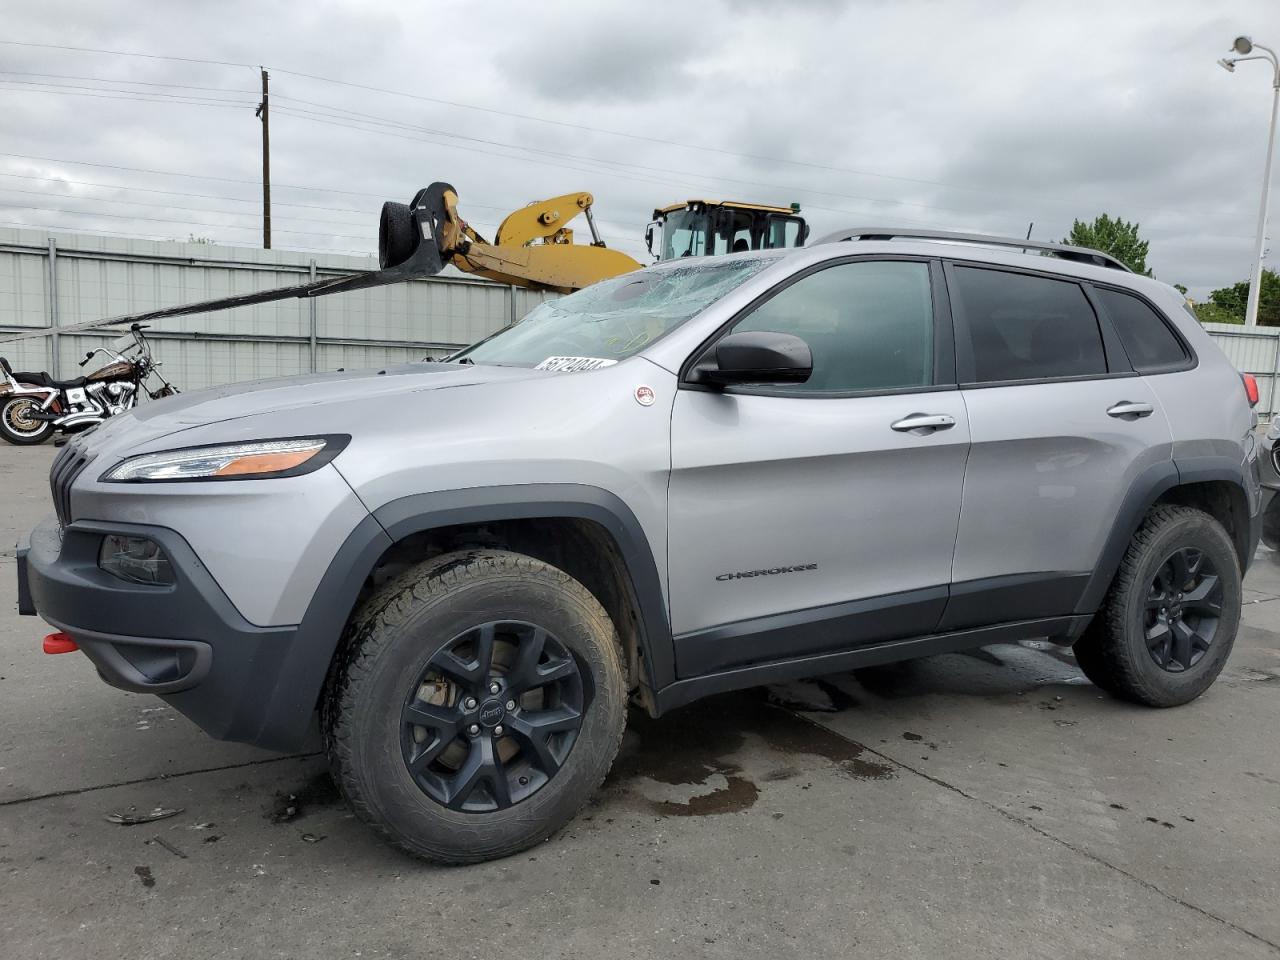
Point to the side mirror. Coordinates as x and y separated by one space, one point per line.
756 356
648 237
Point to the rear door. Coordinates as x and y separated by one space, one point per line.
817 517
1061 426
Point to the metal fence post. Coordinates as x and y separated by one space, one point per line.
53 308
311 310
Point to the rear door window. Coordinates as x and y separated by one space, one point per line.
1152 347
1024 327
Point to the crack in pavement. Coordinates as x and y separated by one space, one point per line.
76 791
1014 818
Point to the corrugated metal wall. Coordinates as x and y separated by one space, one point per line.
1254 350
96 277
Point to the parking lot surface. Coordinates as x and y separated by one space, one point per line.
991 804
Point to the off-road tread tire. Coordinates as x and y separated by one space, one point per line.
372 632
1108 655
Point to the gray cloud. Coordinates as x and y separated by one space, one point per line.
980 115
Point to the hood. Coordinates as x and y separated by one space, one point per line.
160 418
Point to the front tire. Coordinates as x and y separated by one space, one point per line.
17 425
1170 618
480 700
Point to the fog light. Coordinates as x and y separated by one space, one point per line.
135 559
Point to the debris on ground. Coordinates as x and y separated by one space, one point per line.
312 838
144 874
132 819
161 841
287 808
319 791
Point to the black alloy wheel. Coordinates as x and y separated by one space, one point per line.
1183 608
493 716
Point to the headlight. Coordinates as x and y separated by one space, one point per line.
258 460
135 559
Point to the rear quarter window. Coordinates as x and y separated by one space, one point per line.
1149 341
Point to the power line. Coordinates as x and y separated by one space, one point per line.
204 225
355 116
188 223
137 83
163 239
396 125
164 206
209 196
181 193
189 176
560 165
515 115
153 98
127 53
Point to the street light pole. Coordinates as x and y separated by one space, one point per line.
1244 45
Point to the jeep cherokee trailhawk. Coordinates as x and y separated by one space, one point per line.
705 475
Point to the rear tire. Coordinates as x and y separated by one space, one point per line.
1170 618
16 424
420 727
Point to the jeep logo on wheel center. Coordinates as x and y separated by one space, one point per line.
491 713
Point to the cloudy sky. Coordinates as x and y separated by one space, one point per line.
959 115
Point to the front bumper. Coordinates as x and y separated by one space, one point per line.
185 642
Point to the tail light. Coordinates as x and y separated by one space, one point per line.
1250 388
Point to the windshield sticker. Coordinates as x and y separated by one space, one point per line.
574 364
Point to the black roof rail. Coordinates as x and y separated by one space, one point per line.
1062 250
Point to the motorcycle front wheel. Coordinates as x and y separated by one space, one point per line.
17 425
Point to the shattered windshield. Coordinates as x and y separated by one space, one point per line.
613 319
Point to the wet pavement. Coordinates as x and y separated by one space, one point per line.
974 805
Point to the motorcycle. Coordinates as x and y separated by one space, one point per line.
33 406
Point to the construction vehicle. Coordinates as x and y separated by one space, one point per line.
533 248
698 228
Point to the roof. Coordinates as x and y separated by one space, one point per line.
735 204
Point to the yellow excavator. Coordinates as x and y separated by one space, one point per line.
533 248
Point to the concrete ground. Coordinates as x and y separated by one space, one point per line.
993 804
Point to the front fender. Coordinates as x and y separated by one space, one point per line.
302 674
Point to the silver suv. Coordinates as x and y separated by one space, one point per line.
702 476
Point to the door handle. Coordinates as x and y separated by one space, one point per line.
923 423
1132 411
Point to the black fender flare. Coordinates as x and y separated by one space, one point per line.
1148 487
302 676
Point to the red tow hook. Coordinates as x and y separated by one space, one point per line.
59 643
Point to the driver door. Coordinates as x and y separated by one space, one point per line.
814 517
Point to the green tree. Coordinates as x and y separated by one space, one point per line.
1231 301
1212 313
1115 237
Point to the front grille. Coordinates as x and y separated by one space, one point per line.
66 467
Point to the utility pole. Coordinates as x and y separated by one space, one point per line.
1245 47
263 114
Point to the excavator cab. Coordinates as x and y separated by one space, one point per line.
699 228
